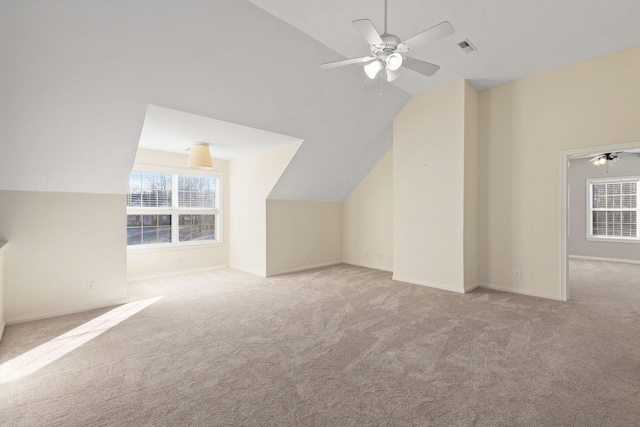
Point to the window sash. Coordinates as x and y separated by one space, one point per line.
612 208
149 189
199 207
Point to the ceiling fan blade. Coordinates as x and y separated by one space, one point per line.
628 153
426 68
346 62
392 75
595 158
368 31
436 32
583 156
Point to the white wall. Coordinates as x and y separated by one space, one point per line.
523 127
579 171
145 262
58 243
302 235
368 219
251 179
3 246
429 150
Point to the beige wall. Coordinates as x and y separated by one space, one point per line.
302 235
3 246
523 127
428 189
251 179
368 219
145 262
159 262
57 243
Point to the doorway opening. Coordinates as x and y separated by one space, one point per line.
569 221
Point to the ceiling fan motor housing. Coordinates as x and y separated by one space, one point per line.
391 43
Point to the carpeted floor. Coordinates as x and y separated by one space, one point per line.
342 346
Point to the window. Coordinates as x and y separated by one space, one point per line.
164 208
612 208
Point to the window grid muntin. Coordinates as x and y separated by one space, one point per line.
150 189
196 227
144 229
196 192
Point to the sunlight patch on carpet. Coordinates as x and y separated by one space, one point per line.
39 357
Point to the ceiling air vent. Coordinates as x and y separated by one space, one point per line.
466 46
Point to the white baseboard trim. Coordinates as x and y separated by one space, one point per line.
302 268
469 288
520 291
428 284
373 267
41 316
594 258
245 270
174 273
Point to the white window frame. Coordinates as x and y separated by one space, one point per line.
590 209
174 212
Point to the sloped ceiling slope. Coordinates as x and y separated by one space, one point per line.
173 131
76 78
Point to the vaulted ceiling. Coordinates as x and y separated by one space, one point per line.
77 77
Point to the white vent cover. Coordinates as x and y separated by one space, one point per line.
467 46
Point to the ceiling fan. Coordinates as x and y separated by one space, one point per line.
611 159
387 50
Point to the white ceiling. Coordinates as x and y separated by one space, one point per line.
170 130
515 38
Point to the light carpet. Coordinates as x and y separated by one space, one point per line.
342 346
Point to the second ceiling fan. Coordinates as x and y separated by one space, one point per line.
387 50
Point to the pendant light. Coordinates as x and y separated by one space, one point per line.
200 156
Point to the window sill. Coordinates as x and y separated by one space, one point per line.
136 249
613 239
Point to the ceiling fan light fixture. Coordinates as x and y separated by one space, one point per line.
372 69
612 159
200 156
394 61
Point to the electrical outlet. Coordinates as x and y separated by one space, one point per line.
91 286
517 274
